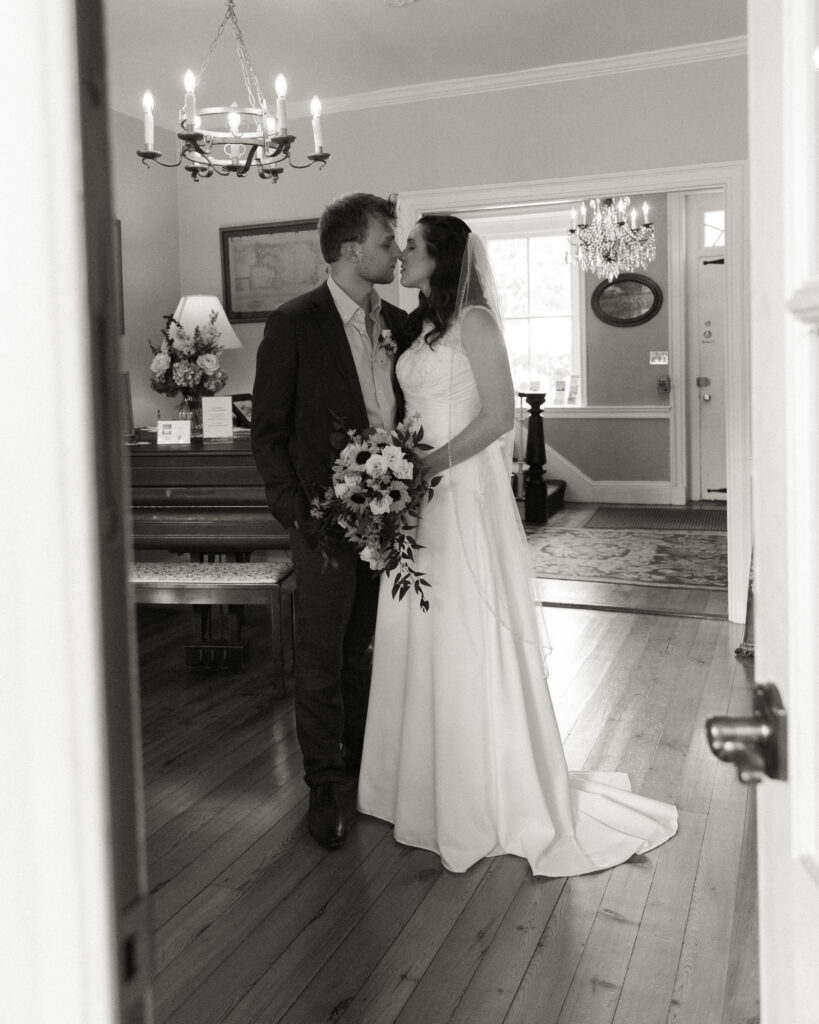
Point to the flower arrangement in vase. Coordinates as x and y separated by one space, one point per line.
188 364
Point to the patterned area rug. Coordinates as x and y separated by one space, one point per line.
647 518
657 558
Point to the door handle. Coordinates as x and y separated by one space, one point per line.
706 397
758 746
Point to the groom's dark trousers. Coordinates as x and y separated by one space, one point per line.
305 383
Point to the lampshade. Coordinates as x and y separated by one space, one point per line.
195 310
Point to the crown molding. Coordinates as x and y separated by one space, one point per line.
718 49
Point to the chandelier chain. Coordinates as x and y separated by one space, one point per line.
248 71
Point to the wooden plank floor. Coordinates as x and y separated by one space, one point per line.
256 924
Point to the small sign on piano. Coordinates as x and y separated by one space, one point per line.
173 432
217 417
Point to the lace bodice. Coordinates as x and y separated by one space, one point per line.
438 384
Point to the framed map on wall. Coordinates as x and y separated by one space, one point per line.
264 265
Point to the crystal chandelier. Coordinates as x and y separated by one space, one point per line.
234 140
611 242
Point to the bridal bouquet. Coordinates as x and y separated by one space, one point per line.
375 498
187 363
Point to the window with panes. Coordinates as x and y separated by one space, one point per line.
539 294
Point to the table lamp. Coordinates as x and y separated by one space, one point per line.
195 310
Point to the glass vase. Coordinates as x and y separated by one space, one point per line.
190 408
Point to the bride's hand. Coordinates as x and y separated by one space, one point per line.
436 462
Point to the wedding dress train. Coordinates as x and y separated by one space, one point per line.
462 751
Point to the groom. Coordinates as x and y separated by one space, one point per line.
321 358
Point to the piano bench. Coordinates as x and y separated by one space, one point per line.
204 584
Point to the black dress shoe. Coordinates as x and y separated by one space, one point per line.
326 821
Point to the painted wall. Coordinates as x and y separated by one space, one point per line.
665 117
611 449
145 201
618 366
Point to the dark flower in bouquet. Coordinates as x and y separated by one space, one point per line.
185 363
375 500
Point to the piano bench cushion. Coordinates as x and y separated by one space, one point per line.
219 583
261 575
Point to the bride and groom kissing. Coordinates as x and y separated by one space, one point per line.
443 717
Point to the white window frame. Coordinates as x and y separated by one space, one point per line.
534 222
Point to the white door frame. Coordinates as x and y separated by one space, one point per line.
59 959
732 178
783 107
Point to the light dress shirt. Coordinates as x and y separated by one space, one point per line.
372 363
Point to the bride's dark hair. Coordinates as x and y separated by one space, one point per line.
445 239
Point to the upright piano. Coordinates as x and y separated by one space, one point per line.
202 498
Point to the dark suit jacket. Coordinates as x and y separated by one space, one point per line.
305 378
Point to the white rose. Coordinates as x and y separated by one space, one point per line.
375 466
394 458
380 506
160 363
209 362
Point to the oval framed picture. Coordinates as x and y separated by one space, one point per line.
628 300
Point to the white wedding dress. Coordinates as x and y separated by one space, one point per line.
462 751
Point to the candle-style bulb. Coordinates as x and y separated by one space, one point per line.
148 119
190 99
645 213
315 110
281 103
271 125
234 119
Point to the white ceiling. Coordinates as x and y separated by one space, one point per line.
340 48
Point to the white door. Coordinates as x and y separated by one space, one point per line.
784 325
705 349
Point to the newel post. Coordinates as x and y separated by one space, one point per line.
536 509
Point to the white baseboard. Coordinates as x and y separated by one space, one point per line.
581 488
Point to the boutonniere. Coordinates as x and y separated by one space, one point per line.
387 342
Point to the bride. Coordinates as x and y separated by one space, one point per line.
462 751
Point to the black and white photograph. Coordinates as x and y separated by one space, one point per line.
465 671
